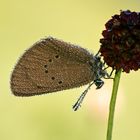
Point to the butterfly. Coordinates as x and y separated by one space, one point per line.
52 65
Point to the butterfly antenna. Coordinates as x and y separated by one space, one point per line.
81 98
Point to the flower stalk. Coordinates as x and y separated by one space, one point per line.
112 104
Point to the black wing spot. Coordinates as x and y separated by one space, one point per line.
46 71
57 56
53 78
50 60
60 82
38 87
45 66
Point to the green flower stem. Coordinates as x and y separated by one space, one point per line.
112 105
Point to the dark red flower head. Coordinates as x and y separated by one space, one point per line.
120 45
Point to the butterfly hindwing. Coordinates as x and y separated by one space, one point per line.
50 65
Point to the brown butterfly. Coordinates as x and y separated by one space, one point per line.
53 65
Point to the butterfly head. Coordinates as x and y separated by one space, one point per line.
98 70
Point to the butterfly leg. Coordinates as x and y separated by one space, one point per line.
109 76
97 53
81 98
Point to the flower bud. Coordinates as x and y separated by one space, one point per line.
120 45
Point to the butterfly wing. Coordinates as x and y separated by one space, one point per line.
51 65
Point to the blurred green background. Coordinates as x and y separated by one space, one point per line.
50 117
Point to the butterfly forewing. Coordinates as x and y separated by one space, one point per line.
70 50
51 65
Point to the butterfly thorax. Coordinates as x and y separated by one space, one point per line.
98 70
